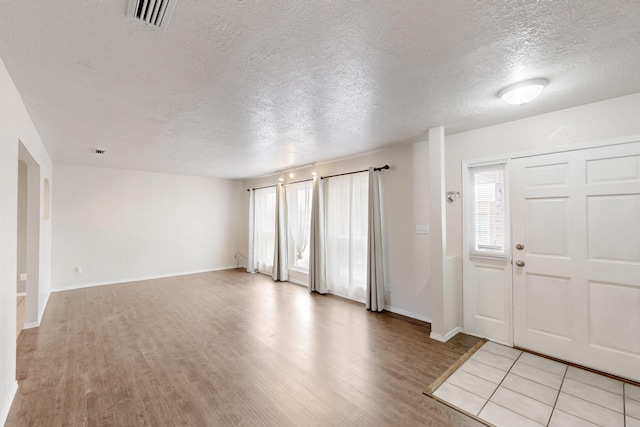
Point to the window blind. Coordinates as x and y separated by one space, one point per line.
489 214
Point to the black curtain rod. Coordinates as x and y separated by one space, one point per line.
385 167
288 183
260 188
298 182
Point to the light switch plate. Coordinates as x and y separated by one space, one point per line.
23 277
422 229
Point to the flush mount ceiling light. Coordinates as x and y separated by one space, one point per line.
522 92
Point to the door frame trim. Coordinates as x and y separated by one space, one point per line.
506 158
468 256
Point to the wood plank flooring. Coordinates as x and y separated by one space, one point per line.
227 348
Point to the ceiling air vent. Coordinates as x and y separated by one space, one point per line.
155 13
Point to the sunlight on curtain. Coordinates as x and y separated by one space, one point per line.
299 219
264 229
346 201
251 268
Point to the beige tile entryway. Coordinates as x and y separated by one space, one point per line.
508 387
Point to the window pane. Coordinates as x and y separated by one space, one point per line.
298 198
488 217
265 228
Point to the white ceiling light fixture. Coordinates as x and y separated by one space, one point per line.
522 92
154 13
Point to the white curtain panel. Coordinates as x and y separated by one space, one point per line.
298 198
375 265
251 265
346 199
317 278
280 259
264 229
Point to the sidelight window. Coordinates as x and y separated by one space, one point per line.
488 217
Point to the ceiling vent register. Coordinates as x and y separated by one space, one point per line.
154 13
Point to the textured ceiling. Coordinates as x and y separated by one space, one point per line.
238 89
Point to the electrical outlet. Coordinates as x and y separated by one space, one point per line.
23 277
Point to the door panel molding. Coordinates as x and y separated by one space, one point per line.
589 314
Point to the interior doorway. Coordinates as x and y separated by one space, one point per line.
31 241
21 250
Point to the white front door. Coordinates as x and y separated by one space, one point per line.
486 262
576 256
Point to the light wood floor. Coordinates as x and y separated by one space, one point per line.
223 349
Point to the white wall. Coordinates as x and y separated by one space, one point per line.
21 285
121 225
16 126
406 204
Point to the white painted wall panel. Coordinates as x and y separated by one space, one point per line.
119 225
16 125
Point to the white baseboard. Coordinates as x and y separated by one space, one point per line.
298 282
138 279
8 402
407 313
31 325
21 294
44 306
446 337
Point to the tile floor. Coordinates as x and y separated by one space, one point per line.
508 387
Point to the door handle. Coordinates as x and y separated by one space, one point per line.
520 263
519 246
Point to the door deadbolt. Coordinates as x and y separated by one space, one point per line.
520 263
519 246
